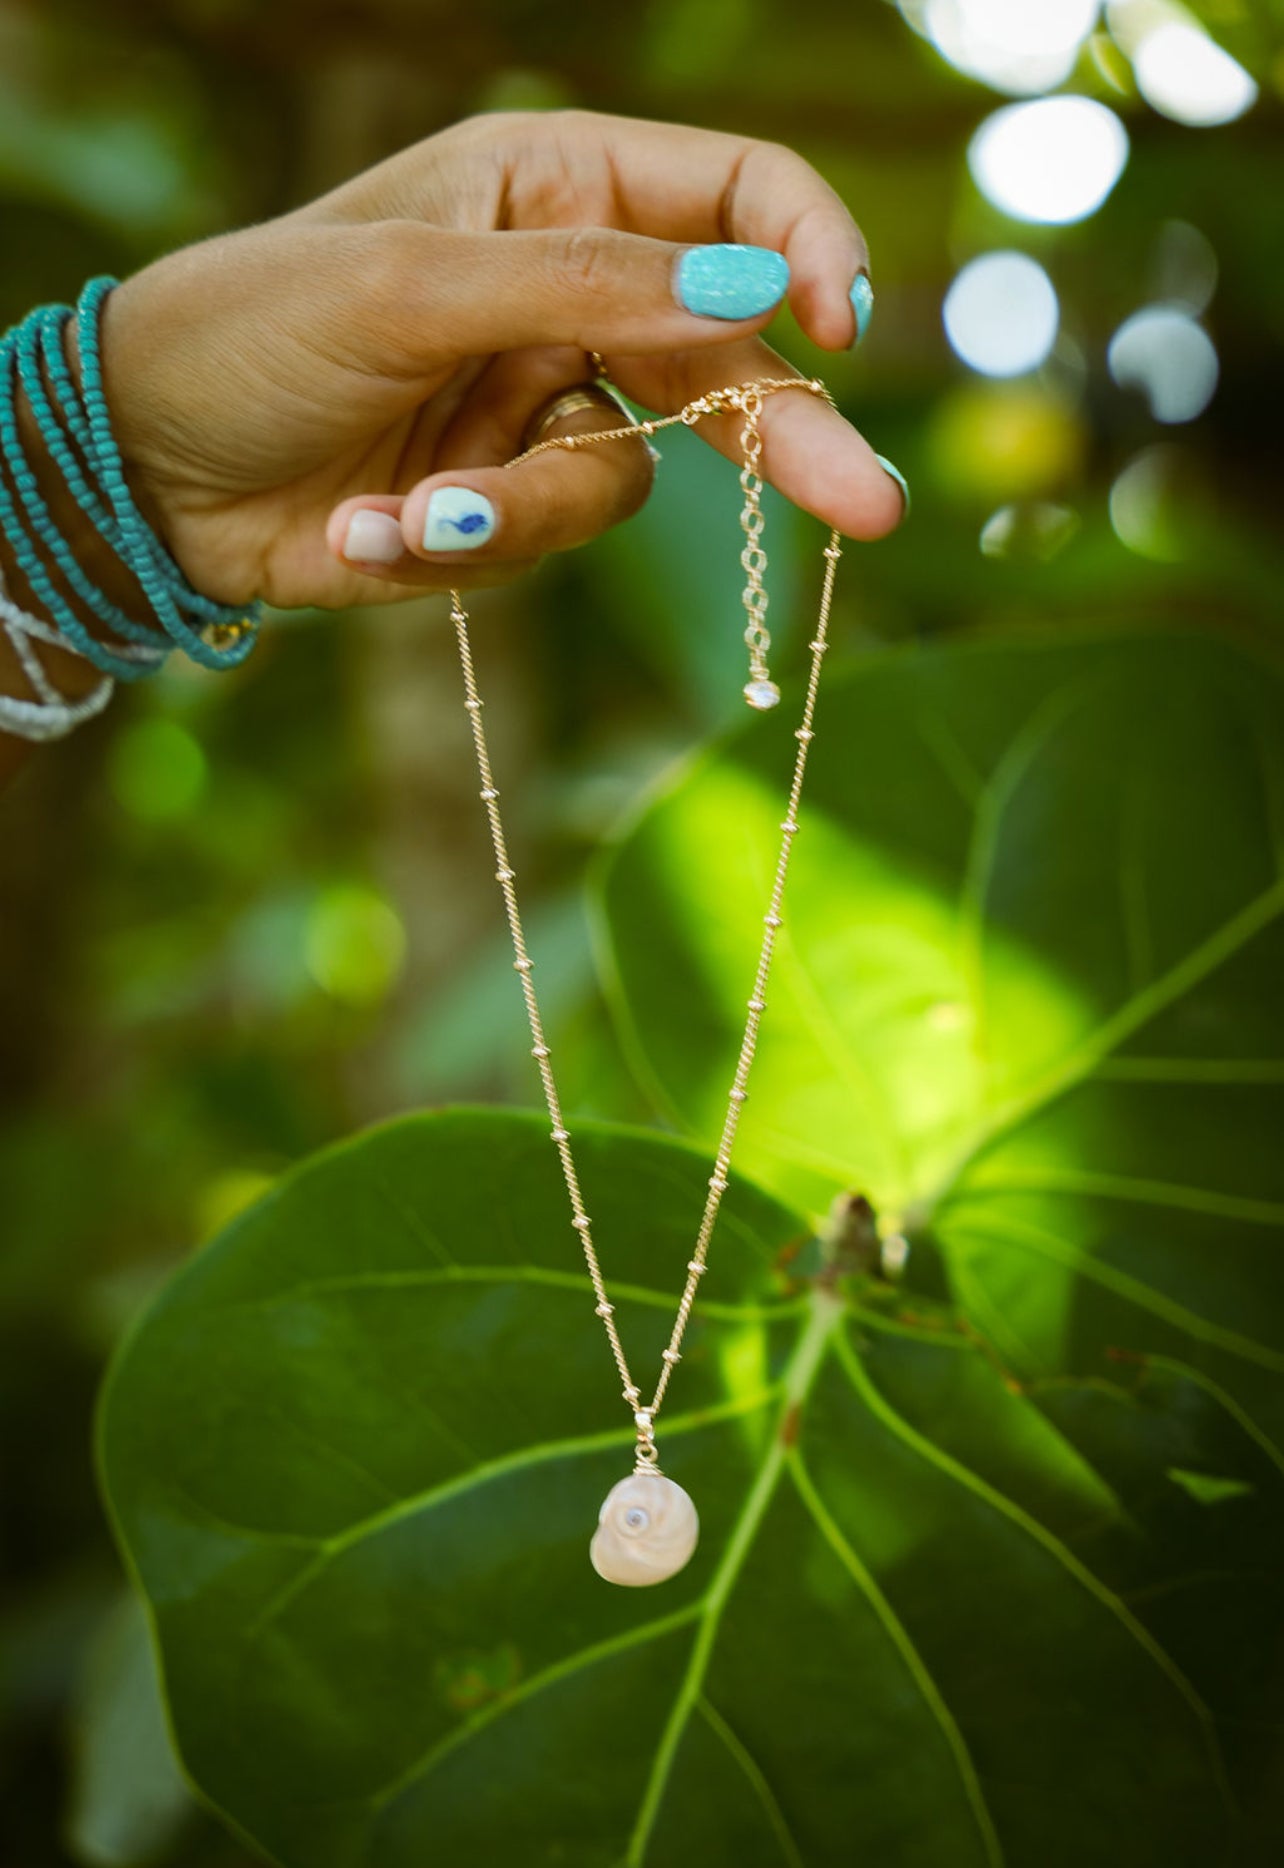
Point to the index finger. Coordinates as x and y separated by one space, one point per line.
682 183
580 168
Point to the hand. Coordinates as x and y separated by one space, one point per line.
397 335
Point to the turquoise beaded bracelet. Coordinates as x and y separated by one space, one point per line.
75 427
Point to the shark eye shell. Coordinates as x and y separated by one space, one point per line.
646 1532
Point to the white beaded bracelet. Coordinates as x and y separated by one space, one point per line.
51 716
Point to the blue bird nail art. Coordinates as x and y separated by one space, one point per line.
458 519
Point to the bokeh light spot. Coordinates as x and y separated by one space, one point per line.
1011 45
227 1196
354 944
1153 503
1033 531
1053 160
1184 269
1185 75
991 442
1001 314
157 771
1170 358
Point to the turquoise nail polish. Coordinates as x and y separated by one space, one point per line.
458 520
862 297
899 478
730 281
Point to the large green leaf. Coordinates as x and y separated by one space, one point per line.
355 1454
990 1576
1030 990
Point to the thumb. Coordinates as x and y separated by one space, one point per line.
437 292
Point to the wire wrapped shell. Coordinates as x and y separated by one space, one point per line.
647 1530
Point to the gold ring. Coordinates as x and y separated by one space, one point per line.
570 402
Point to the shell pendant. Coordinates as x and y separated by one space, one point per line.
646 1531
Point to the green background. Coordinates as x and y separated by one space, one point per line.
244 918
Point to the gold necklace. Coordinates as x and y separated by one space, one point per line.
648 1525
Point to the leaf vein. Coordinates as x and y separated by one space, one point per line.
454 1273
1230 1070
903 1642
566 1669
797 1383
1133 1188
1237 1412
978 863
412 1221
1088 1056
1049 1541
1145 1296
458 1487
749 1765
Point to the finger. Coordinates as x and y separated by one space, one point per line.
419 295
811 453
469 517
690 184
506 403
676 183
365 585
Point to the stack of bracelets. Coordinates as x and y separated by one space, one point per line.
76 430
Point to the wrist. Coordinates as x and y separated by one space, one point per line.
71 673
87 575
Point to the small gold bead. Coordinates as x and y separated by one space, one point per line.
218 635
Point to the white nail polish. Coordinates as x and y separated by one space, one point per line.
373 538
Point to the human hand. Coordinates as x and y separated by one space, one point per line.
396 336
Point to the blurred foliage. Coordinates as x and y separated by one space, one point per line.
242 917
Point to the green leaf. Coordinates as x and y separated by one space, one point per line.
355 1454
955 1601
1029 990
1028 999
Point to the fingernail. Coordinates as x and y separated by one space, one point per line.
730 281
458 520
373 538
862 297
896 474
